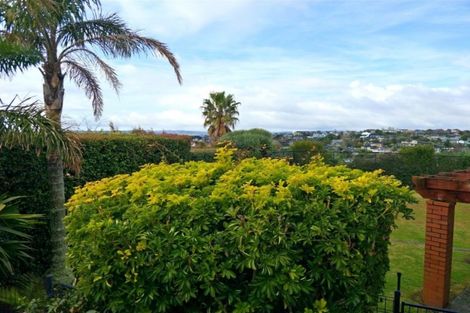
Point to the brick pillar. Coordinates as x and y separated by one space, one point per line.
438 252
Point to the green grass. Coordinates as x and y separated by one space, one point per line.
407 252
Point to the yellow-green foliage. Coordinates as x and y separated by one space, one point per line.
258 235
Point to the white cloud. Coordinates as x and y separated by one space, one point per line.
372 92
292 64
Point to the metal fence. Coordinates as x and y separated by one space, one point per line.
396 305
417 308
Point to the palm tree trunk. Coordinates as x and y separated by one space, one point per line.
53 91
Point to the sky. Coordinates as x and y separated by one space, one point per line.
292 64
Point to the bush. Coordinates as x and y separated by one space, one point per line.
304 150
203 154
255 142
258 235
105 154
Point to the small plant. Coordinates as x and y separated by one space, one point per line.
14 239
70 302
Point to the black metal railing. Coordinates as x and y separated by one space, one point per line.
385 305
395 305
418 308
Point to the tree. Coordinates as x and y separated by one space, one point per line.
59 37
220 113
24 125
304 150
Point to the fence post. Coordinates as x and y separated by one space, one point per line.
48 285
397 295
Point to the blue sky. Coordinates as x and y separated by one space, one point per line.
293 64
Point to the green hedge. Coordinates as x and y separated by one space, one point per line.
203 154
108 154
257 235
105 154
412 161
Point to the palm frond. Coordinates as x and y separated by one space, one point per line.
18 289
42 11
16 57
13 236
75 33
86 80
115 39
91 60
25 125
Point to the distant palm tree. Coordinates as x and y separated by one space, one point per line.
58 37
220 113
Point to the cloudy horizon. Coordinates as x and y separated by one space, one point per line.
293 65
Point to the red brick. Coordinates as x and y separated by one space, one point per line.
433 216
439 230
441 240
431 252
442 203
441 222
438 251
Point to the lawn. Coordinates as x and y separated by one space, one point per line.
407 252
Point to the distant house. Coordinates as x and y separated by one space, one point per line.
378 148
411 143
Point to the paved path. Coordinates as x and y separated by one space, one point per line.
461 303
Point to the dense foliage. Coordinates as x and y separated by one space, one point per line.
24 173
256 235
203 154
304 150
254 142
108 154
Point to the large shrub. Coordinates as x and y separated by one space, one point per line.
254 142
258 235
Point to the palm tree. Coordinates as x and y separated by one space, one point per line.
59 37
220 113
24 125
